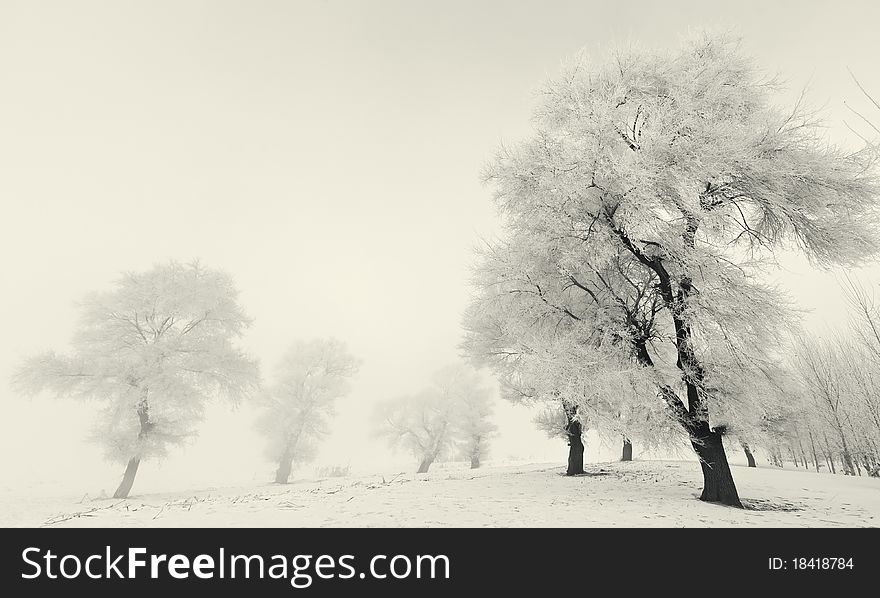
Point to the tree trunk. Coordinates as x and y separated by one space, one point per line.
718 484
627 454
282 474
749 456
425 464
848 468
143 413
575 455
475 461
813 449
127 478
574 431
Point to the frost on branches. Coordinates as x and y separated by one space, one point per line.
638 220
454 412
152 351
299 406
836 379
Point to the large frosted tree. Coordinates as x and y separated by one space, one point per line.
299 406
152 351
679 164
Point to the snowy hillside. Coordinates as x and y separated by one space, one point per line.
634 494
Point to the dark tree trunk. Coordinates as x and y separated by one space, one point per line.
749 456
813 449
575 454
127 478
574 432
475 461
718 484
425 464
848 468
627 454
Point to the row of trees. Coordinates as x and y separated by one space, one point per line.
834 418
639 220
155 349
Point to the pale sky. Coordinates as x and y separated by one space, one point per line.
326 154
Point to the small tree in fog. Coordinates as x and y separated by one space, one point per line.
310 377
421 424
454 409
474 411
152 350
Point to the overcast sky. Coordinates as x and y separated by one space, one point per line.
326 154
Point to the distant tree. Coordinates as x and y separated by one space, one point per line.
298 407
474 408
421 424
681 164
153 350
455 409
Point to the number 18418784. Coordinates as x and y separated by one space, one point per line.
814 563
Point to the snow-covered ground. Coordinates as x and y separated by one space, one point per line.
635 494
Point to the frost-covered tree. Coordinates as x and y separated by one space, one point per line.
420 423
152 351
455 409
474 408
680 163
298 406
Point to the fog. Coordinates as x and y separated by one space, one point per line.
326 154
